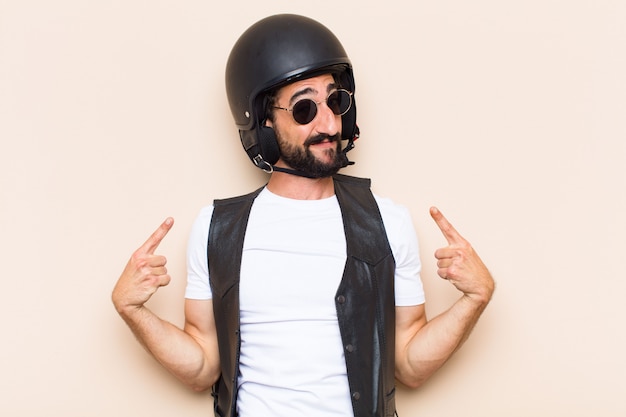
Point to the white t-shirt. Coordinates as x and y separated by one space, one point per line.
294 252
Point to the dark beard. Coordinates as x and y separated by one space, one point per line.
301 159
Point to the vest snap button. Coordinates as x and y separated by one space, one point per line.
350 348
356 396
341 299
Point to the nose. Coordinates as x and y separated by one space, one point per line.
327 121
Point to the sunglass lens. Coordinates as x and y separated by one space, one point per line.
339 102
304 111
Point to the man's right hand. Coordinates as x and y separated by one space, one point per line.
144 273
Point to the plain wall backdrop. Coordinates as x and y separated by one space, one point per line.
507 115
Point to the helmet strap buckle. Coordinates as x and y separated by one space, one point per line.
261 163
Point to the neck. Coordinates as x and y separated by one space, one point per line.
300 188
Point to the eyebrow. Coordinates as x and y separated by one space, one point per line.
309 90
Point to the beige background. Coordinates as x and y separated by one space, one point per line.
508 115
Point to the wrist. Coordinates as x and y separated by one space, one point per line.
479 300
127 310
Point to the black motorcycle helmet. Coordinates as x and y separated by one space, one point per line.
274 52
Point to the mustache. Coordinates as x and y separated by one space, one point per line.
321 138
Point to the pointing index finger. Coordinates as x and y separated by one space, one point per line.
155 239
449 232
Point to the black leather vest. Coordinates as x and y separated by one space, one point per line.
364 300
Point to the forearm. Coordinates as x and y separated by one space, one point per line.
434 343
175 349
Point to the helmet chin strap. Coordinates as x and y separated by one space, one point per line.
265 166
269 168
293 172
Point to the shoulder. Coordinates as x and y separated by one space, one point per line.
204 216
350 180
395 216
238 199
200 227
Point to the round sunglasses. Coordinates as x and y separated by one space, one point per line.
305 110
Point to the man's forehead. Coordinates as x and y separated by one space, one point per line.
324 82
